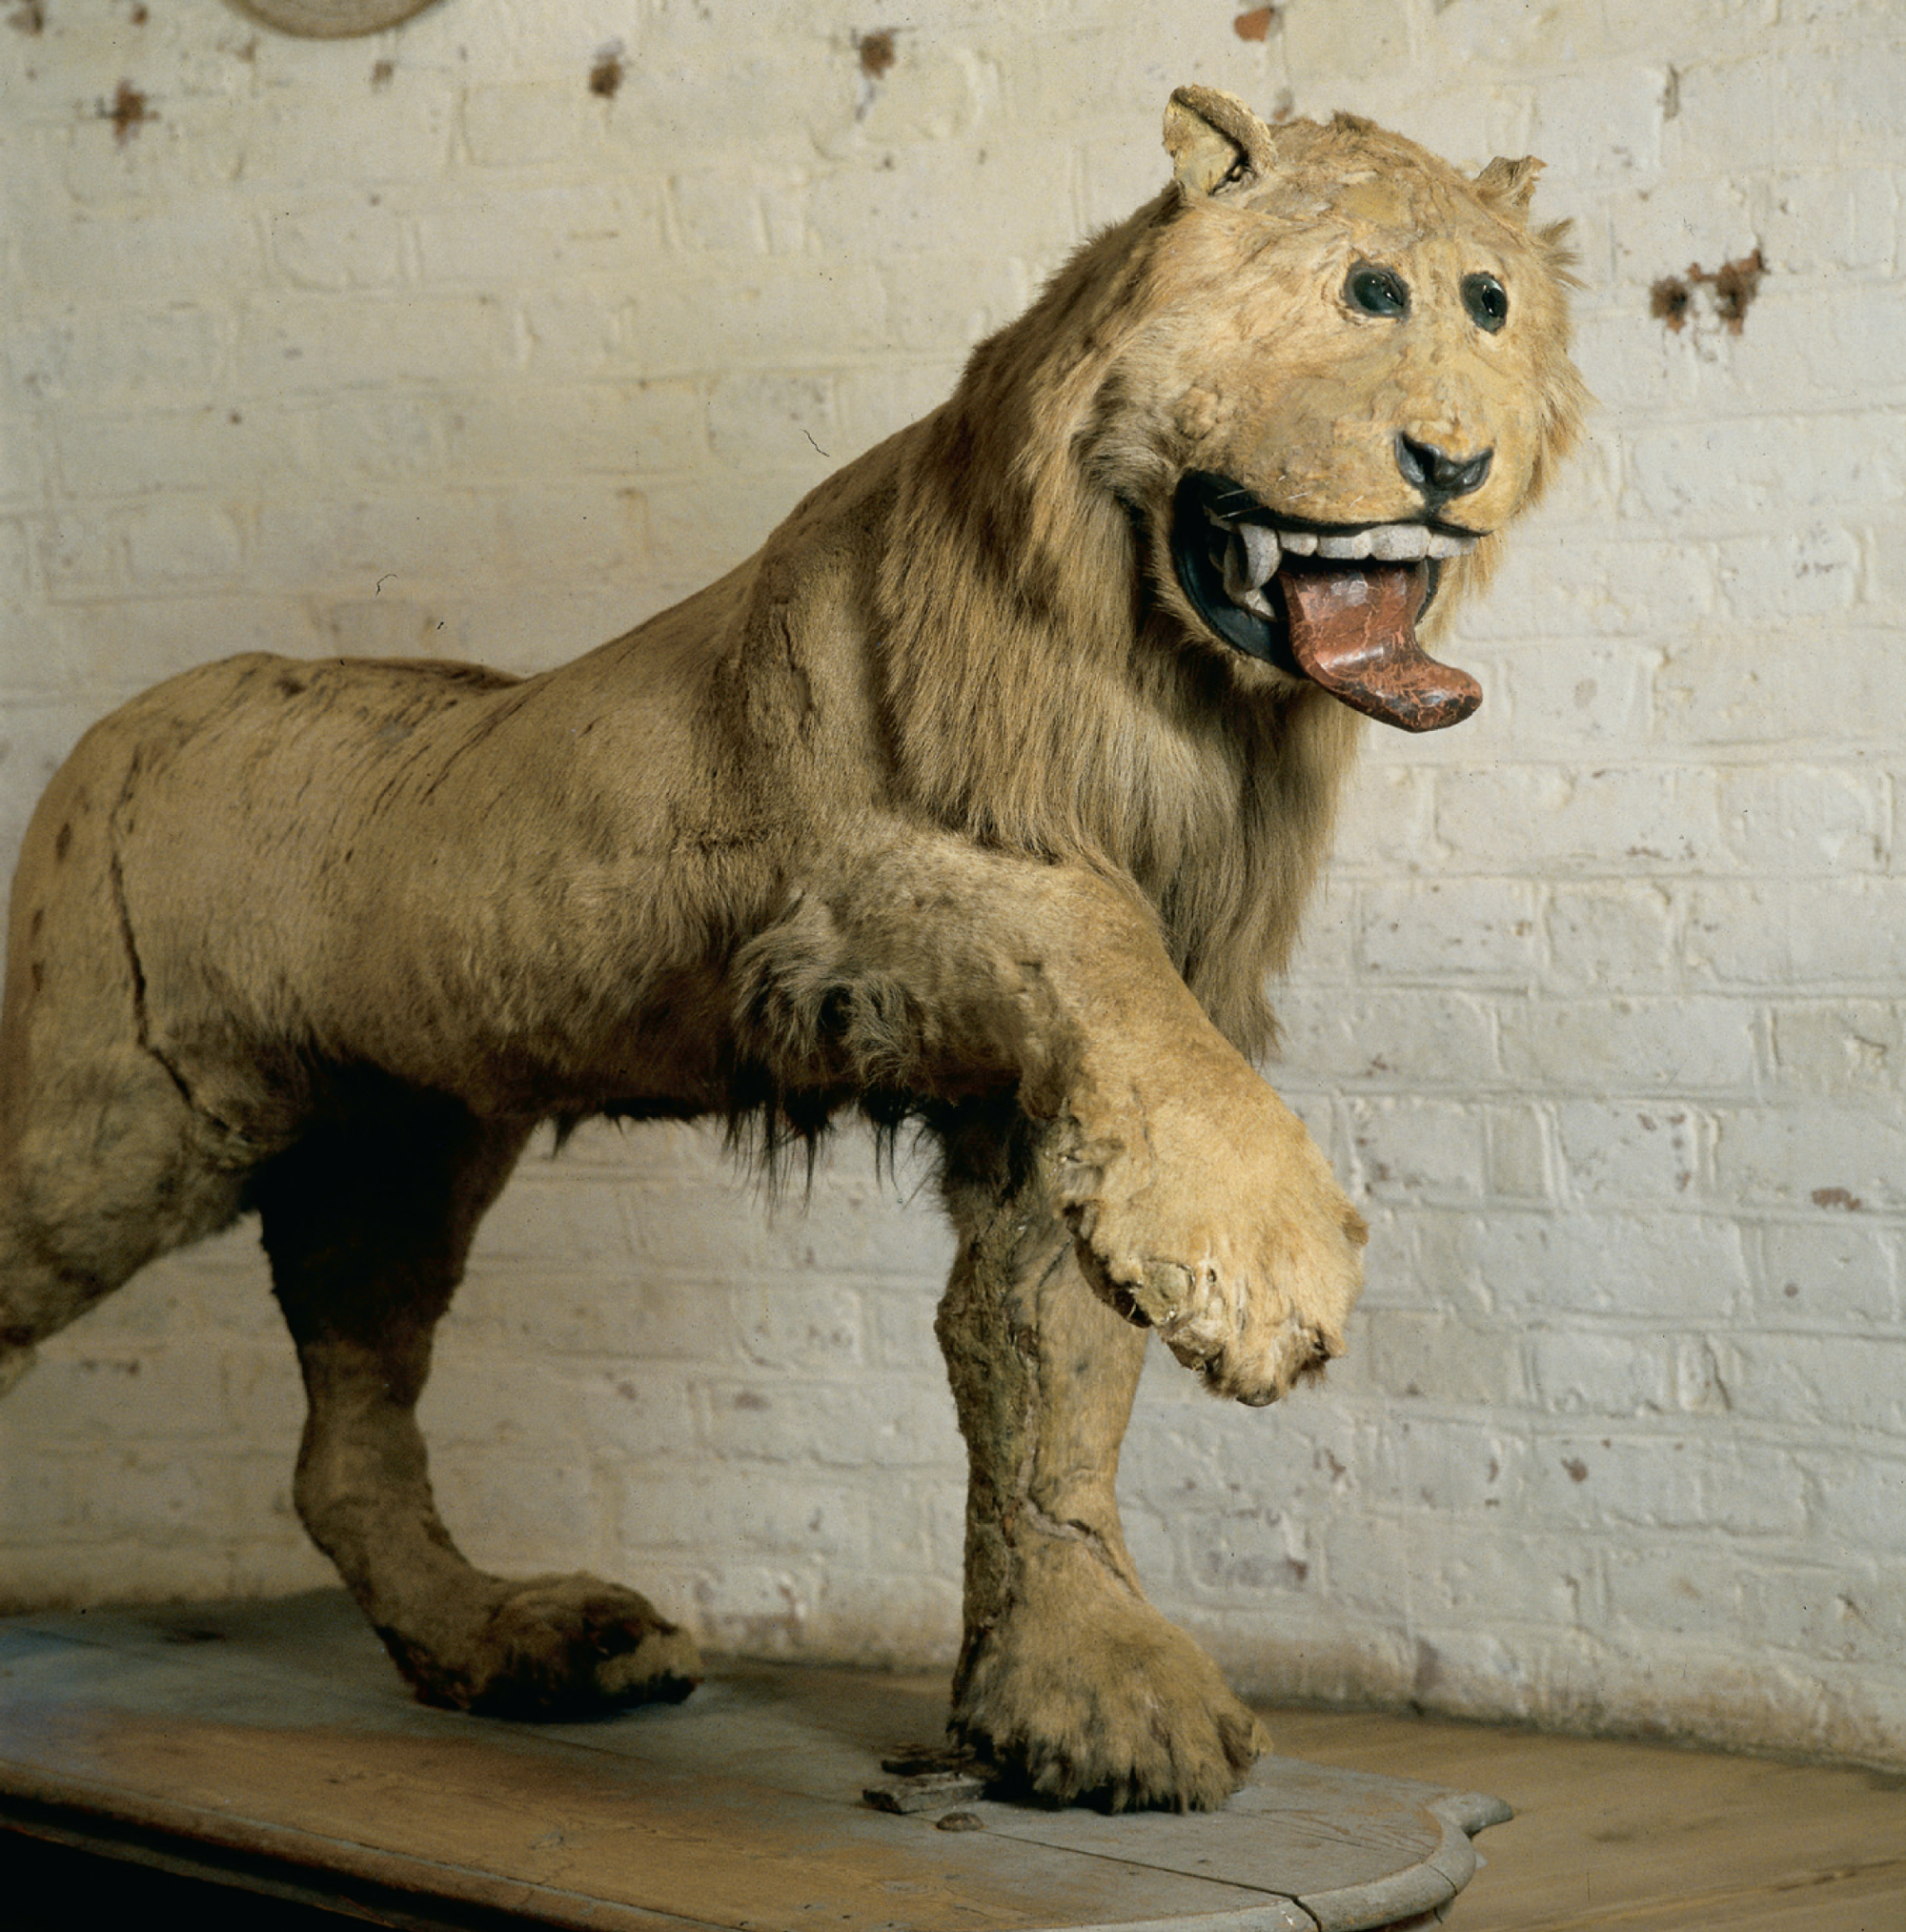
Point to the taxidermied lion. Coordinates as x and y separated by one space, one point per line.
988 793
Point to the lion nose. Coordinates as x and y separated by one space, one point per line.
1437 473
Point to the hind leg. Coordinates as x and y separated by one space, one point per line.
368 1225
1067 1676
91 1194
103 1162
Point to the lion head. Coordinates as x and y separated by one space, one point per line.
1354 373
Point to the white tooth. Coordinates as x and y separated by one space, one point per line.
1299 542
1223 522
1236 583
1441 545
1398 542
1357 544
1255 600
1261 553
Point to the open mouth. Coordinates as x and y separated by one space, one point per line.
1335 602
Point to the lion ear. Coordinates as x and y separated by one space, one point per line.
1509 184
1213 138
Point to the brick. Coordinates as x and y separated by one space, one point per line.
1602 1372
79 551
1609 937
580 531
313 343
1444 1359
1416 1040
1813 221
944 304
1646 816
181 542
20 467
762 1515
1520 1164
1821 933
529 124
1630 587
752 1609
769 318
798 93
1830 1270
718 210
595 231
772 420
1860 1502
1662 1046
902 1324
567 332
1486 930
1603 119
403 541
1466 1467
1733 688
798 1325
1605 1262
508 435
561 1308
355 246
1818 1383
1490 1575
400 134
506 1523
1718 476
1807 820
1385 820
1681 1588
16 566
97 257
1839 1046
1844 1156
1581 701
211 448
1367 38
1811 573
1418 1147
1849 1614
1667 1481
895 1422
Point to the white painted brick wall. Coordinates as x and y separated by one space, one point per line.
418 344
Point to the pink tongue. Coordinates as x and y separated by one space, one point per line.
1354 632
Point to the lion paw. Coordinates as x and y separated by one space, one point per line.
1091 1695
1231 1238
558 1647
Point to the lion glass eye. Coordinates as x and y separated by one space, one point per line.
1376 291
1486 300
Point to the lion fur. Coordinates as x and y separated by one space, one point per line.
944 803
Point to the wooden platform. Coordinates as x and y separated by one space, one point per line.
270 1746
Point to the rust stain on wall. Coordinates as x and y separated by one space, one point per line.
1734 285
129 113
877 52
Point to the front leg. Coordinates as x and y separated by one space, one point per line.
1068 1678
925 968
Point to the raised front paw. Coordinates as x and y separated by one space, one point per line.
1083 1691
1212 1217
555 1647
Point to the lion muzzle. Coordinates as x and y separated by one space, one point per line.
1335 603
